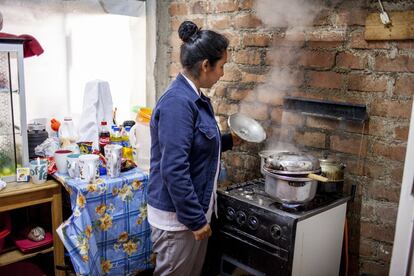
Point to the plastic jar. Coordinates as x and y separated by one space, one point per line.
140 139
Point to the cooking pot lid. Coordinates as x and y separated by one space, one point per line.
246 128
292 162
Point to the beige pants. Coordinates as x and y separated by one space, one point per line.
178 253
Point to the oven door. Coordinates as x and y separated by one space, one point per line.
251 256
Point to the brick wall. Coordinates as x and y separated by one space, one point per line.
329 61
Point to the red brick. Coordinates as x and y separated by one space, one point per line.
247 21
367 248
323 18
383 192
374 268
251 77
358 41
227 6
405 44
255 39
325 79
392 109
292 118
250 57
398 64
279 134
317 59
367 83
351 17
378 127
290 38
227 109
281 57
349 144
178 9
351 61
270 96
381 232
397 173
401 133
322 123
354 127
231 73
276 115
234 39
324 44
325 35
392 152
310 139
386 212
220 23
404 85
255 110
201 7
246 4
240 94
285 78
374 170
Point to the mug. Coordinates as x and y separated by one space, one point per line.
89 167
38 171
113 155
60 159
72 163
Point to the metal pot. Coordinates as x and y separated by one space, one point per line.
333 170
292 163
289 190
264 154
246 128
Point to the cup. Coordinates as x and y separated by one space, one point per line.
38 171
89 167
72 163
85 147
113 155
60 159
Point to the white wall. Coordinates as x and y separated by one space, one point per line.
81 43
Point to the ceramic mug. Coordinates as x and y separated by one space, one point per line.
60 159
38 171
113 155
72 163
89 167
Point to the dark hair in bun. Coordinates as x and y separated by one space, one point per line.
199 45
187 30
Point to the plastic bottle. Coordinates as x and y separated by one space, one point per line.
140 139
127 149
104 136
116 137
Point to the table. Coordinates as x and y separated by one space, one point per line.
18 195
108 231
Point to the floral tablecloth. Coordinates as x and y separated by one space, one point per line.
108 232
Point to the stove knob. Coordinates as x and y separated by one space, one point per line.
253 223
241 217
275 231
230 213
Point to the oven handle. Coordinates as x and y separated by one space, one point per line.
261 245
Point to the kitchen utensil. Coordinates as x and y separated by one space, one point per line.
333 170
89 167
289 189
38 171
60 159
72 162
113 155
246 128
264 154
292 163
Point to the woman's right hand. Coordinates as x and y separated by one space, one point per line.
202 233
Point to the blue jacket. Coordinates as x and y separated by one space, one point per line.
184 153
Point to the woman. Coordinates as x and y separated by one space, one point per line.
185 156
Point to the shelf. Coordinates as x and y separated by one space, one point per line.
16 256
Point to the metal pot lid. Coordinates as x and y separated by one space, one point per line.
246 128
292 162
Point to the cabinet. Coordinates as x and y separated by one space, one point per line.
18 195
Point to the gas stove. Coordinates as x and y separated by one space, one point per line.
261 236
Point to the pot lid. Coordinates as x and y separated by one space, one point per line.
246 128
292 162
